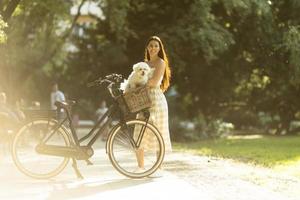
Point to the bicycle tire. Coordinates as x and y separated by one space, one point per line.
26 139
126 161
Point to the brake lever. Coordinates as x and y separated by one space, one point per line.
114 76
94 83
109 76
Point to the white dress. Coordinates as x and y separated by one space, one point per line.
159 118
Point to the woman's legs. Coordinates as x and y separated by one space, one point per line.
140 157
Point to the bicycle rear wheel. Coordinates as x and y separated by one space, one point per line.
24 153
123 148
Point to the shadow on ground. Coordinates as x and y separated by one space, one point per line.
87 188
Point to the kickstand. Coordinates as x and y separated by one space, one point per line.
74 165
88 162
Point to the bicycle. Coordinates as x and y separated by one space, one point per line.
42 148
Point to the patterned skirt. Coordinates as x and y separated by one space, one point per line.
159 118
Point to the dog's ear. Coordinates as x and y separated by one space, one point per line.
135 66
145 64
148 67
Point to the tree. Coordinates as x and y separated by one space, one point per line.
36 34
2 33
272 86
10 7
225 55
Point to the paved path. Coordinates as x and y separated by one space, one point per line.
101 182
185 176
228 179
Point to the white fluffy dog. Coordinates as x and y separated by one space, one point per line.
138 77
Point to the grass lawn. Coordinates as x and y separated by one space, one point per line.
269 151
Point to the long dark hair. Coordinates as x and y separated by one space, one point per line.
162 54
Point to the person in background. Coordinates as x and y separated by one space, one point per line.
18 110
101 111
98 115
8 118
56 95
4 108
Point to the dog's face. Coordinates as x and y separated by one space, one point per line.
142 69
139 76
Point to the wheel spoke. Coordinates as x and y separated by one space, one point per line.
24 152
126 159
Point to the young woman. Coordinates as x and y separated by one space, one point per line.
156 58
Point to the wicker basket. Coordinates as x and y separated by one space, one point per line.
136 100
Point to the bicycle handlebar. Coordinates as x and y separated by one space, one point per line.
117 77
113 86
111 78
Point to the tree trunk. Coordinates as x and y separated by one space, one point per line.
284 125
10 8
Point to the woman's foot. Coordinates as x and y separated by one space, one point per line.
139 170
157 174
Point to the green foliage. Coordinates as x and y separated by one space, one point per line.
256 81
291 42
222 53
116 13
266 151
2 33
34 33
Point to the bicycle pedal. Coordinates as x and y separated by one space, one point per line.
79 175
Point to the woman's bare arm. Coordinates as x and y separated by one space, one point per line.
157 74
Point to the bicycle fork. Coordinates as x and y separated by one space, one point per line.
142 131
136 144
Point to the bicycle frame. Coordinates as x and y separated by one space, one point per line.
109 113
113 109
73 147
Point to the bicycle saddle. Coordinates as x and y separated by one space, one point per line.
64 104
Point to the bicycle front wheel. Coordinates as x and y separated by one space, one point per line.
24 153
136 148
